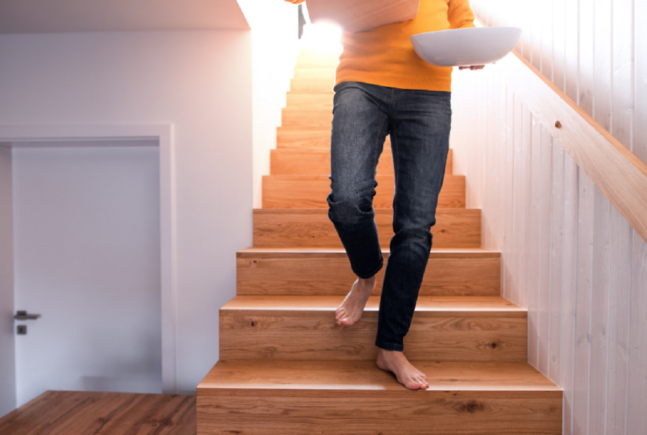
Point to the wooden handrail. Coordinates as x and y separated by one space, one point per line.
617 172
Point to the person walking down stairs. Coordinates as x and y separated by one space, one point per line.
297 349
383 88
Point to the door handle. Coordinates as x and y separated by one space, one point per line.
23 315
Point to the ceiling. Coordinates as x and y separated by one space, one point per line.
56 16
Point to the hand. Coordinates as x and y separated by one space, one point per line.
473 67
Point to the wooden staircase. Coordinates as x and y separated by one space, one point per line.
287 368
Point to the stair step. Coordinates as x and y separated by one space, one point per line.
355 397
307 118
444 328
291 138
293 228
317 161
314 73
318 60
317 85
296 138
324 272
309 101
310 191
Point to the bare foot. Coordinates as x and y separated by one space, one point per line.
352 307
399 365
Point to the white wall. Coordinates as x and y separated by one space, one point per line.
567 255
200 82
7 357
53 16
594 51
275 40
591 338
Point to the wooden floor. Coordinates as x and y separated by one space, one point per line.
89 413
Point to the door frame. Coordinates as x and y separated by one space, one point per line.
14 135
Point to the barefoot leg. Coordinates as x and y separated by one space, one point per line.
352 307
395 362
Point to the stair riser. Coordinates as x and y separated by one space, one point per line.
308 335
309 101
311 192
290 138
284 274
313 60
323 85
452 229
287 138
307 119
318 73
337 412
308 163
292 162
310 62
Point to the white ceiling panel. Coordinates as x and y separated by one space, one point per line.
55 16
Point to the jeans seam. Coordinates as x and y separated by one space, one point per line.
396 164
377 143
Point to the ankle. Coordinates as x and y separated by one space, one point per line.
387 353
367 281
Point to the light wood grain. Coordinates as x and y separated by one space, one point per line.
81 412
359 16
297 138
412 415
618 173
285 228
364 379
304 328
307 119
317 85
464 272
309 101
313 73
310 191
289 138
254 397
317 161
308 59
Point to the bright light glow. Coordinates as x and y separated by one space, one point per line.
322 36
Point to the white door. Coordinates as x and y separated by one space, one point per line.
87 259
7 338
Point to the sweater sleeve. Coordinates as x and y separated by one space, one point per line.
460 14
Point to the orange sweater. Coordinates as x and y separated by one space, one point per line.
384 55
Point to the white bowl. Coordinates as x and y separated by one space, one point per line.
462 47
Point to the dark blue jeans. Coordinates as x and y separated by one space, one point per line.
419 123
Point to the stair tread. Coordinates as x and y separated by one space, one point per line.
435 252
378 210
325 177
426 304
347 376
